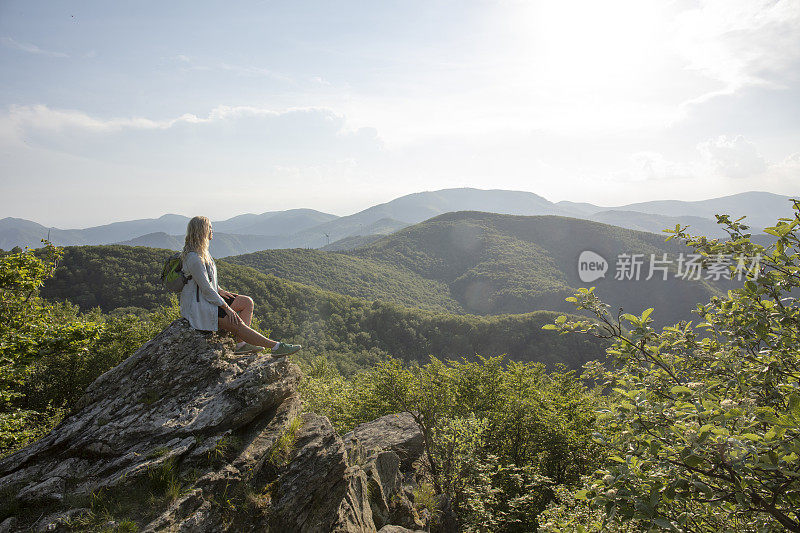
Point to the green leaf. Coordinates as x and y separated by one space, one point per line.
693 460
794 405
663 523
705 489
631 318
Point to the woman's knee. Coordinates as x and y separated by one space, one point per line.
244 302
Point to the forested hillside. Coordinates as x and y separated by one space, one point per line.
503 263
109 277
349 329
356 276
486 263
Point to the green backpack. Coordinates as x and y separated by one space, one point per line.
172 275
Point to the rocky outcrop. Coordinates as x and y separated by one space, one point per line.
395 432
186 436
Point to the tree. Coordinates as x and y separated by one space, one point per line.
498 436
703 420
50 353
29 328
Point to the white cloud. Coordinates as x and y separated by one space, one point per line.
43 118
247 70
647 165
229 140
30 48
739 43
733 157
242 70
783 176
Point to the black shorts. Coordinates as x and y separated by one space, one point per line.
220 311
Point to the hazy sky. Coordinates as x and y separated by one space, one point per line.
120 110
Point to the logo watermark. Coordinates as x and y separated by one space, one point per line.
592 266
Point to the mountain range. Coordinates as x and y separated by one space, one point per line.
308 228
460 263
489 264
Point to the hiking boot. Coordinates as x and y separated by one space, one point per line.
285 349
248 348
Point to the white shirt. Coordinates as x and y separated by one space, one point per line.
200 301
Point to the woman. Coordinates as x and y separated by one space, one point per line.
208 307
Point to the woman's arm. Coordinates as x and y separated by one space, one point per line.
226 294
197 269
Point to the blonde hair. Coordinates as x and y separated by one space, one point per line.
198 232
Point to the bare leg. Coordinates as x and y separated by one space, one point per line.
243 331
243 305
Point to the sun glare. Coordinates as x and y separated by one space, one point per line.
592 46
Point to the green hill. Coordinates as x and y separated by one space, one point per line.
488 264
355 276
514 264
351 329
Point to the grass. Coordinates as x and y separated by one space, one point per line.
164 481
105 508
223 447
281 449
158 452
425 497
258 500
100 523
127 526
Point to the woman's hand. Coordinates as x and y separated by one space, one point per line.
233 315
226 294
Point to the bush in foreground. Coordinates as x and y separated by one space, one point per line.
703 420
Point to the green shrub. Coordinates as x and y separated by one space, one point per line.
703 421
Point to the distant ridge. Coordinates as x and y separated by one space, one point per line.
416 207
761 208
308 228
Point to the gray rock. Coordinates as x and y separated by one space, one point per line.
395 432
51 489
228 433
57 521
8 525
398 529
389 501
320 491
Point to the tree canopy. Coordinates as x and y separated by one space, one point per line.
702 421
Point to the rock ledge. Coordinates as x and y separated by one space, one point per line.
185 436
